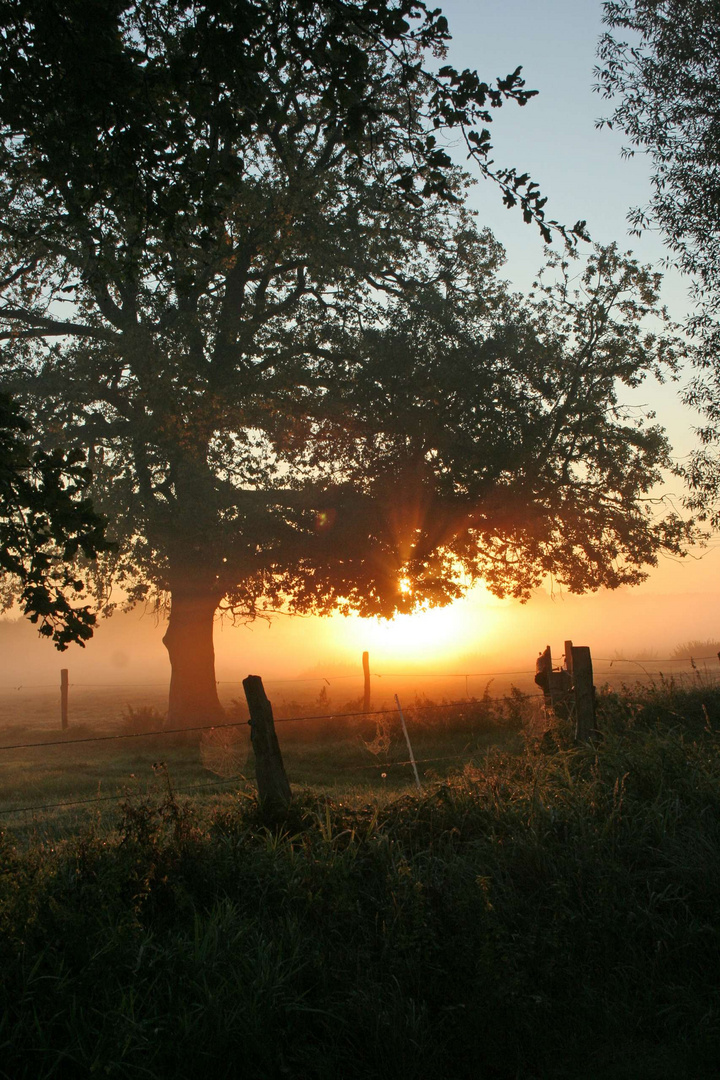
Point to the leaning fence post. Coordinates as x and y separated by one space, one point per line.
64 684
273 786
579 663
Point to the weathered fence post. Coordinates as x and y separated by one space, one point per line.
555 685
273 787
569 689
366 678
64 685
579 663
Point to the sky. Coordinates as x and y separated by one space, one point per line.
582 172
554 138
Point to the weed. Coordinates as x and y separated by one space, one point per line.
137 720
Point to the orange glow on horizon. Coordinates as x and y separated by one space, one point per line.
429 638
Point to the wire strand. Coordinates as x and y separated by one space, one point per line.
376 674
244 723
392 764
112 798
654 660
445 674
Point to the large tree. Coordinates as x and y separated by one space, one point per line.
237 273
660 67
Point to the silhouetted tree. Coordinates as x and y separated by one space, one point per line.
238 273
47 524
661 66
496 441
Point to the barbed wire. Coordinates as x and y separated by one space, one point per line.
520 697
114 798
124 735
210 783
272 681
654 660
302 678
329 679
160 732
446 674
35 686
96 685
392 764
278 720
205 784
119 685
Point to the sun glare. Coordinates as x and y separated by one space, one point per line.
431 637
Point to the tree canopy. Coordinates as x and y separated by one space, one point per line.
239 276
660 67
47 524
478 435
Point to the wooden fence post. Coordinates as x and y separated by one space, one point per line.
555 685
366 678
64 684
579 663
273 787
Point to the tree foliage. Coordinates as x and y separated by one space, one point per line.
238 273
46 524
661 67
498 445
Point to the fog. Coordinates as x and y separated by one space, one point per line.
478 635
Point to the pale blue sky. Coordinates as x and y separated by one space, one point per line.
579 168
553 137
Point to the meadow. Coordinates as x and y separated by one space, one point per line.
69 779
537 910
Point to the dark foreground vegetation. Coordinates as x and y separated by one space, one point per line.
547 913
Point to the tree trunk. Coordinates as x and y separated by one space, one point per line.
189 641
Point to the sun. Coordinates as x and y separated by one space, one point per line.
430 638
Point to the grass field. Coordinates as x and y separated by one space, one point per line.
537 911
346 752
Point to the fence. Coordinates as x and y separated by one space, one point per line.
102 704
47 788
362 749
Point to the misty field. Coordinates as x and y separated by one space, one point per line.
536 911
56 782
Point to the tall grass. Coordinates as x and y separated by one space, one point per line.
552 912
696 648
